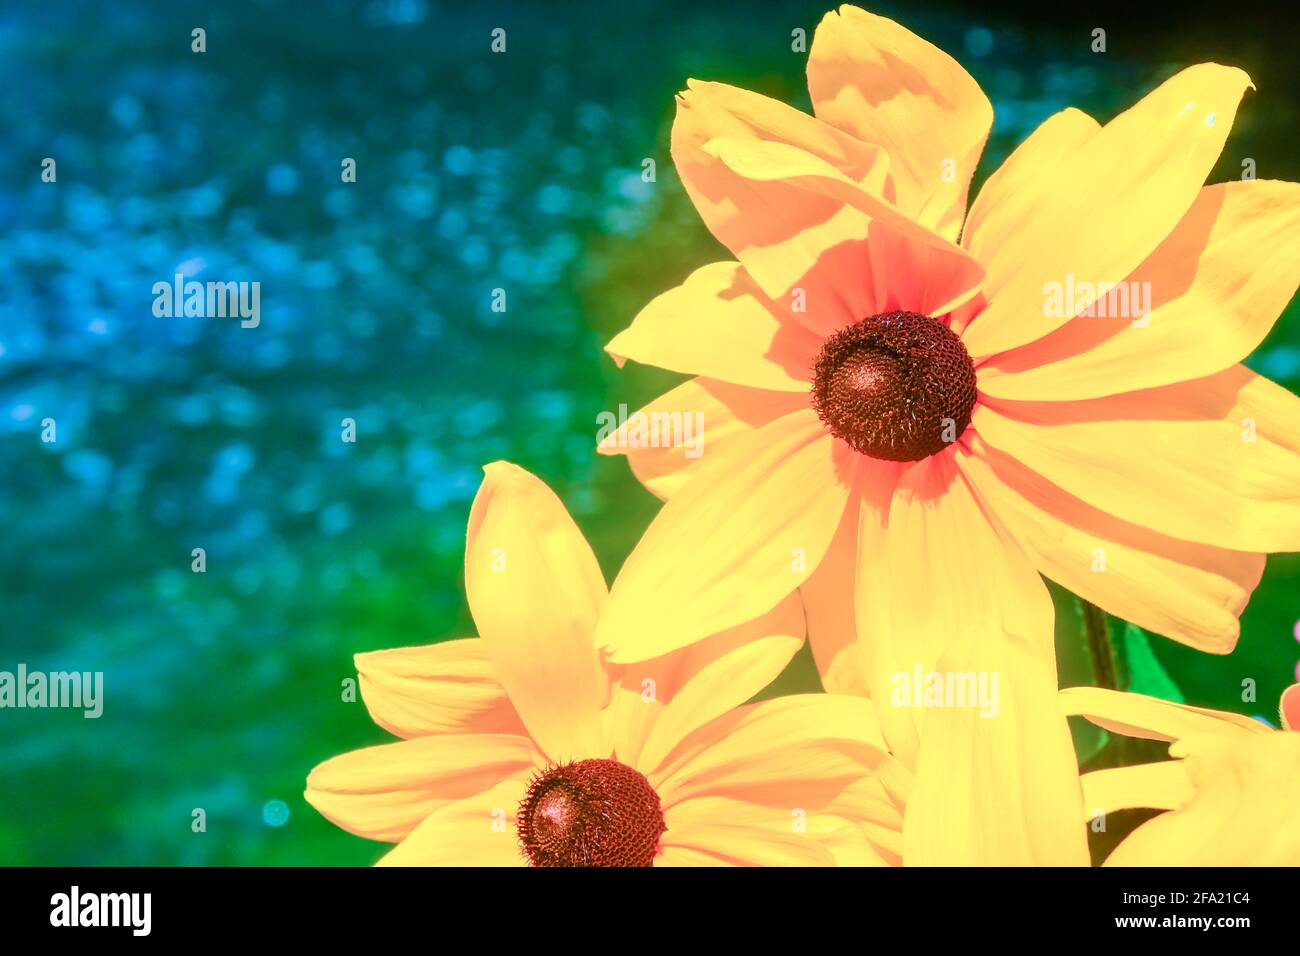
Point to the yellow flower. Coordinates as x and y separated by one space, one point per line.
1232 790
910 413
524 746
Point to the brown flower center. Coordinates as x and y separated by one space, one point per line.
898 386
590 813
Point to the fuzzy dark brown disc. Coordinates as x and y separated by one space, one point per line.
898 386
590 813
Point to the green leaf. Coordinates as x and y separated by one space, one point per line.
1146 674
1074 668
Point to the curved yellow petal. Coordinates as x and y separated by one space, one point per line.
1154 786
664 454
852 816
882 83
997 787
758 653
805 750
1103 209
1243 814
682 856
1215 287
383 792
777 231
745 531
1190 592
898 781
1150 718
656 703
476 831
930 273
717 109
848 848
536 591
719 324
828 605
1216 460
729 844
999 209
931 567
446 688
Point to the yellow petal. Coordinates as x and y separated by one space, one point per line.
681 856
1215 286
756 654
937 274
716 109
382 792
1215 461
828 604
1243 814
664 454
1001 208
745 531
848 848
998 207
729 844
855 821
476 831
447 688
882 83
934 569
999 790
1137 715
719 324
797 751
1190 592
777 231
898 781
658 702
1154 786
536 591
847 826
1102 210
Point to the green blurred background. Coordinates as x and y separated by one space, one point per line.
474 171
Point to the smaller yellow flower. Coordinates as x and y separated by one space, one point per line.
1233 788
526 747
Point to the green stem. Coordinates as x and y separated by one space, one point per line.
1095 626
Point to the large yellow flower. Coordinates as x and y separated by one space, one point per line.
911 411
1233 788
524 746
